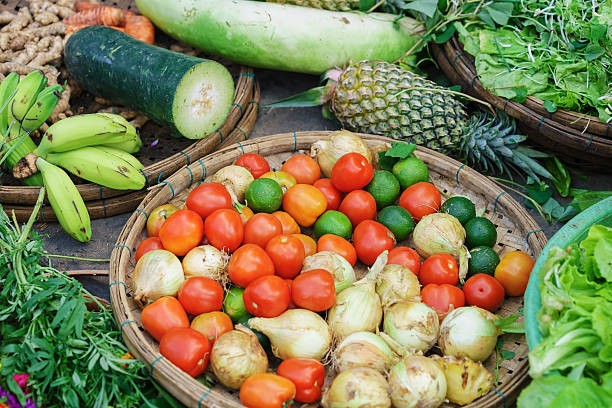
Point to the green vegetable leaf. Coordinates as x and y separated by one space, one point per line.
510 324
507 354
500 12
445 35
583 199
561 177
592 52
385 162
550 106
427 7
400 150
540 192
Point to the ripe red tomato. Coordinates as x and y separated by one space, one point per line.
148 244
314 290
158 216
304 168
310 246
248 263
207 198
187 349
441 297
371 238
182 232
406 257
330 192
484 291
163 315
290 226
212 325
256 164
351 172
420 199
439 269
261 228
224 230
292 305
307 374
267 296
358 205
513 272
287 254
267 390
200 294
339 245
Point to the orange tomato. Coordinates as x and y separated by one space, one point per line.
245 214
163 315
304 168
187 349
304 203
212 325
287 254
513 272
339 245
182 232
284 179
310 246
158 216
288 223
261 228
267 390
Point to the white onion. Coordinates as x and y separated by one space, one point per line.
469 332
205 260
364 349
327 152
337 265
417 381
158 273
236 179
397 283
297 333
359 387
237 355
414 325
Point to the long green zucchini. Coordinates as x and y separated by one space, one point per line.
283 37
185 93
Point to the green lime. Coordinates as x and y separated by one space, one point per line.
264 195
333 222
410 171
479 231
459 207
263 339
233 305
384 187
483 259
398 220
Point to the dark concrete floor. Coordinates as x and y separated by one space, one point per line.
275 85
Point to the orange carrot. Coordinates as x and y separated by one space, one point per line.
140 28
84 5
103 15
76 27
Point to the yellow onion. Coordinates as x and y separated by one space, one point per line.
469 332
442 233
337 265
205 260
417 381
361 387
414 325
237 355
297 333
397 283
327 152
364 349
158 273
236 179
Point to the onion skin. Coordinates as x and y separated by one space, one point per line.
237 355
361 387
412 324
327 152
158 273
205 260
397 283
340 268
364 349
469 332
357 309
236 179
417 381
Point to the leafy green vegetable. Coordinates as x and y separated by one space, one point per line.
398 151
562 179
563 392
583 199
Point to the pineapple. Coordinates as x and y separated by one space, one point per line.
382 98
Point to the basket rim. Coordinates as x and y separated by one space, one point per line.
192 392
160 170
572 119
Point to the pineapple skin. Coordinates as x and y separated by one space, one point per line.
334 5
381 98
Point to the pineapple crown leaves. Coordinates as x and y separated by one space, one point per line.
313 97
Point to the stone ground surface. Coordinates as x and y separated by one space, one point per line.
275 85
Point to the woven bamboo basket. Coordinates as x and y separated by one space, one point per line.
515 228
583 140
162 154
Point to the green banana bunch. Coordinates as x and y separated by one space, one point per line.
134 162
7 90
99 166
42 108
25 95
66 201
128 146
82 131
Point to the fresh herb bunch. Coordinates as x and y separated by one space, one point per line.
73 355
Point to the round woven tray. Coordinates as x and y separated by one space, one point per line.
161 153
582 140
515 228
